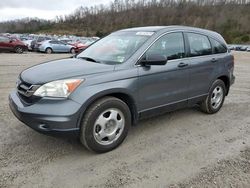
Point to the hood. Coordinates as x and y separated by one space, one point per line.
62 69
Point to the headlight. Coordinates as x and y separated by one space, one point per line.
60 88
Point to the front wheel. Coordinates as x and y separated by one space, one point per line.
72 50
105 124
19 50
215 98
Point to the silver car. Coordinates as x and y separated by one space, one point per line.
126 76
50 46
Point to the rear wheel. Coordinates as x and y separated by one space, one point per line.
48 50
19 49
105 125
215 98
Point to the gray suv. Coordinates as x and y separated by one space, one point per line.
128 75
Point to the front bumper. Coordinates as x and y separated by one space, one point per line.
47 115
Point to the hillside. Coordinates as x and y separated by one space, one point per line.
228 17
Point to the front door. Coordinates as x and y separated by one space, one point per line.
163 85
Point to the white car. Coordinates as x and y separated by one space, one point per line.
28 44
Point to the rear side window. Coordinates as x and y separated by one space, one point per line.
60 42
171 46
218 47
199 45
4 39
54 42
40 39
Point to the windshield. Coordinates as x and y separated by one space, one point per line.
115 48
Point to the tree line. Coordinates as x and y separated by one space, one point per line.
231 18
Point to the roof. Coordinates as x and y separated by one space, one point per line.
175 27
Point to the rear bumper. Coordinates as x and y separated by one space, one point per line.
47 116
232 80
231 76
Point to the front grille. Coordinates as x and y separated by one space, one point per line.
26 91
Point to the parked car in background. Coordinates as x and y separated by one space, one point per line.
243 48
12 44
231 47
128 75
79 46
238 48
38 41
83 44
28 43
87 41
50 46
66 40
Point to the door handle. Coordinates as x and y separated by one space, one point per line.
182 64
214 60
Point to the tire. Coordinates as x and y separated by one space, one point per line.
105 125
215 98
19 50
72 50
49 51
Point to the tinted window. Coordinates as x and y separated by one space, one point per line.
40 39
54 42
199 44
171 46
218 47
60 42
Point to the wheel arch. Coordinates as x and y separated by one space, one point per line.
48 47
74 48
123 96
18 46
226 81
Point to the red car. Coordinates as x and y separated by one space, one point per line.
79 47
12 44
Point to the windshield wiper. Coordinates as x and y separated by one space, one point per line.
89 59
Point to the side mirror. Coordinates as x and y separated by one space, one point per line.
11 41
154 59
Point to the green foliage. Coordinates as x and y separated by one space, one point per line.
242 39
245 38
99 34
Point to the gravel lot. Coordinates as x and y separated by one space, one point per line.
185 148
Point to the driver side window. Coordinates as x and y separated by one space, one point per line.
171 46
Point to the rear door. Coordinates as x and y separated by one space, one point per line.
201 63
55 46
162 85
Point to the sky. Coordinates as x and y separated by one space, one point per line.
45 9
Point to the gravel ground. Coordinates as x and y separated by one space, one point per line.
185 148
